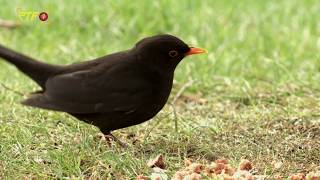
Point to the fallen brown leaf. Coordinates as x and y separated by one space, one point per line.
245 165
157 162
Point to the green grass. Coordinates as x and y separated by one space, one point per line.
255 94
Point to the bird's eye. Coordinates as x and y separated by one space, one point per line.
173 53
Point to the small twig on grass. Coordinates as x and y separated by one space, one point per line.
8 24
12 90
182 89
175 118
153 127
176 97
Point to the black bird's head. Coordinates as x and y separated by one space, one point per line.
164 50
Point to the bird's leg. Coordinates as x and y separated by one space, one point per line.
110 137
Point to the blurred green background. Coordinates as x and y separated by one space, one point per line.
263 57
268 40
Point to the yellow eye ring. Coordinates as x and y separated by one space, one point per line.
173 53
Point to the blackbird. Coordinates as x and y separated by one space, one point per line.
111 92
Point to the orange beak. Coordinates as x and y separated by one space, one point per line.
194 50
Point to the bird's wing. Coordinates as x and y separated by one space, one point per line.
119 88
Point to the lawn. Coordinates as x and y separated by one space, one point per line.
255 95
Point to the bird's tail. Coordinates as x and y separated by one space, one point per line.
36 70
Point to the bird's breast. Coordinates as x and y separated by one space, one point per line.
160 94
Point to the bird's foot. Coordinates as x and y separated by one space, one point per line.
110 137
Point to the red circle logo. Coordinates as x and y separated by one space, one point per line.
43 16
